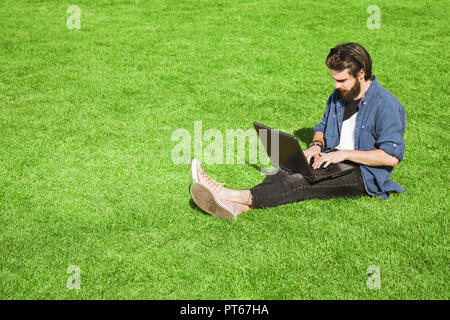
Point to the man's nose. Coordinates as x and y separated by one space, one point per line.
337 85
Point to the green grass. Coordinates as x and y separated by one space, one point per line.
86 176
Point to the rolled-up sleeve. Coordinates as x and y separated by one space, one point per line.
390 130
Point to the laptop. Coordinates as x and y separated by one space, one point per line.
290 156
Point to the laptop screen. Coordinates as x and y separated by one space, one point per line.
282 148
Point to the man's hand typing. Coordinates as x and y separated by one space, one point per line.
312 152
330 157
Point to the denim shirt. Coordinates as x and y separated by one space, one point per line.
380 124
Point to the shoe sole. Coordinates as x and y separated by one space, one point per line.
209 203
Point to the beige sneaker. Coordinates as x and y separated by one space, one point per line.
200 176
209 202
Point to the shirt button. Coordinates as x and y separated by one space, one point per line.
394 144
362 126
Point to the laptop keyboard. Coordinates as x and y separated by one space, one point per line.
320 171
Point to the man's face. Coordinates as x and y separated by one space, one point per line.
348 86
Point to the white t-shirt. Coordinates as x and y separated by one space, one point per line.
347 139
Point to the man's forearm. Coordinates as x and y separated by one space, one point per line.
318 135
371 157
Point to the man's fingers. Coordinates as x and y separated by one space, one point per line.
325 159
322 160
318 160
317 163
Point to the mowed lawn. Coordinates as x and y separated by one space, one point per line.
86 171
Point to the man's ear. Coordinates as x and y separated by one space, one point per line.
361 74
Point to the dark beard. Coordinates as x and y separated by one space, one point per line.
350 95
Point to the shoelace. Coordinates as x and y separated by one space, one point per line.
214 184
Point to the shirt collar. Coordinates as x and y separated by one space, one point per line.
371 90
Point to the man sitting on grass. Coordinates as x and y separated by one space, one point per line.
363 123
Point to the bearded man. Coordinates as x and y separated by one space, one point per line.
363 124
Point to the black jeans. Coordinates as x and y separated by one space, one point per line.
284 187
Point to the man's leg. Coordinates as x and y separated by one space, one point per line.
294 187
239 196
284 187
240 200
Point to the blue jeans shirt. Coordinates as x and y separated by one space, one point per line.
380 124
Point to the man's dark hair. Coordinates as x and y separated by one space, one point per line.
350 55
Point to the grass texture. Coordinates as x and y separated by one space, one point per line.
87 178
